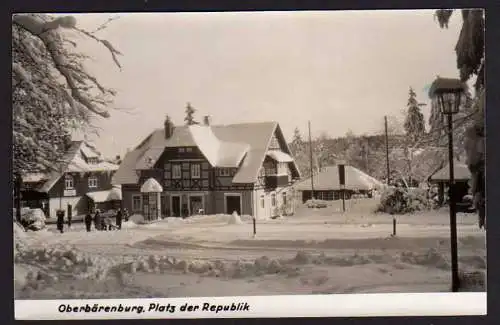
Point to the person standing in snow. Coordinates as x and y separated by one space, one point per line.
60 221
119 219
88 221
69 220
97 220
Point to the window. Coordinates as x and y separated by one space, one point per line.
182 150
270 170
93 161
273 200
189 149
136 203
328 195
224 172
176 171
262 202
284 198
282 168
195 170
68 182
93 182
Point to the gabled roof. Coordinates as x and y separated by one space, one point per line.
328 180
74 161
244 145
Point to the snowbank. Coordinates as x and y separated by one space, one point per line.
317 204
234 219
33 219
137 219
129 225
44 267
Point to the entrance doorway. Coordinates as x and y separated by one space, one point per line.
196 204
233 203
176 205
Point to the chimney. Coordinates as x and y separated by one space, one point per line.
169 128
206 120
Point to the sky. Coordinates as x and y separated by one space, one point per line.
341 70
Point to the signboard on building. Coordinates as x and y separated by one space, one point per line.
70 192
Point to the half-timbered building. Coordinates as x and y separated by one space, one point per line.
211 169
81 183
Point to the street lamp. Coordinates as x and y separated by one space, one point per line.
448 93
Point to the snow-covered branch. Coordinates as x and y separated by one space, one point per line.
73 75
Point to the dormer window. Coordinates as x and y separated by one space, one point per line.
224 171
68 182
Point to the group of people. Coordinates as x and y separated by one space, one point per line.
104 223
100 222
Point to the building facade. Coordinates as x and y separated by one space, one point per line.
82 183
207 169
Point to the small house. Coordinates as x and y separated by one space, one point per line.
326 184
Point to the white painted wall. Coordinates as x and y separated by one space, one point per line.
54 205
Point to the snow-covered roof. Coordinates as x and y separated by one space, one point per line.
34 177
461 172
105 196
235 145
76 163
88 152
279 156
328 179
151 186
207 142
230 154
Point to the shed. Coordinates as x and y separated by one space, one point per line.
441 178
327 183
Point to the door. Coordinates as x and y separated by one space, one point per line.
233 204
306 196
176 206
196 205
153 206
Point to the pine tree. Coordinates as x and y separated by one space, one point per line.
414 124
297 142
189 119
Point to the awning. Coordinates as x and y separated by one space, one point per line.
105 196
279 156
151 186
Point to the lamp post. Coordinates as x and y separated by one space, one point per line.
448 93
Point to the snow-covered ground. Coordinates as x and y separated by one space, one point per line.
321 251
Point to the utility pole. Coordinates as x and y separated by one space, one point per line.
387 151
311 160
389 170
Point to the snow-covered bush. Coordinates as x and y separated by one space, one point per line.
234 219
33 219
316 204
137 219
399 200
